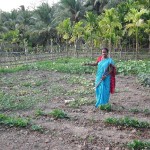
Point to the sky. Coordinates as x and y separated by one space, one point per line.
8 5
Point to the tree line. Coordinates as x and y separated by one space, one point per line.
117 24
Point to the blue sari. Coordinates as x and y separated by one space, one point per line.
103 89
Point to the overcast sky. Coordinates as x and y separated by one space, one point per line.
8 5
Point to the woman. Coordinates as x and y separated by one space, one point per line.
105 78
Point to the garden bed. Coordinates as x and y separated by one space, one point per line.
34 94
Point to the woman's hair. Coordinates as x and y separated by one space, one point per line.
105 49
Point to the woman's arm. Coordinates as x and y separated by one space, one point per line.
91 64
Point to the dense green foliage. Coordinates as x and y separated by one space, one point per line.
139 68
116 24
133 67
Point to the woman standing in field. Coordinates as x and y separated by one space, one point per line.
105 78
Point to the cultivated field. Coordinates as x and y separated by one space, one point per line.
40 97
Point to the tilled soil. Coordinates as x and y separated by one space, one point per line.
85 129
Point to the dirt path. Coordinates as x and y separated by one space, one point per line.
85 130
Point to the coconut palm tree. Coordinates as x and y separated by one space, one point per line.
42 29
73 7
96 6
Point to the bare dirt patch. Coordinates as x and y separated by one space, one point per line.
85 129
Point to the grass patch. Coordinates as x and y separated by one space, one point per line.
138 145
128 122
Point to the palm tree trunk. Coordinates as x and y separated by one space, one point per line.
75 46
149 43
110 48
67 47
136 43
51 46
110 45
91 46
